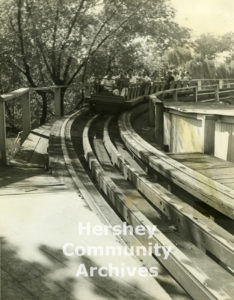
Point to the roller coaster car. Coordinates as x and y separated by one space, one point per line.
106 102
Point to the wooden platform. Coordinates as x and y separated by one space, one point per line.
33 151
38 215
206 189
214 108
212 167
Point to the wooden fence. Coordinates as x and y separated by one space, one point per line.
23 95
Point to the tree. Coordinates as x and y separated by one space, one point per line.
53 42
178 56
208 46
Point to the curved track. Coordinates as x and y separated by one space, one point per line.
107 162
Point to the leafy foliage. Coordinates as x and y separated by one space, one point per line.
60 42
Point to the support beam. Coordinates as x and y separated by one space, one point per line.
220 83
151 100
175 96
26 115
158 108
3 158
217 93
58 102
195 95
199 85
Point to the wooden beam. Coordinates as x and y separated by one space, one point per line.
151 109
220 83
207 190
3 159
175 96
195 95
15 94
57 102
199 85
26 115
158 108
217 93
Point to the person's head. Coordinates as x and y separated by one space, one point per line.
116 71
130 72
109 75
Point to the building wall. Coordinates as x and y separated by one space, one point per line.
187 134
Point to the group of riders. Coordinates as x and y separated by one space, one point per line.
118 83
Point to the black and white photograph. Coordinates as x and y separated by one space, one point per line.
116 149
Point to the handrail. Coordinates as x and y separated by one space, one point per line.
15 94
24 96
197 93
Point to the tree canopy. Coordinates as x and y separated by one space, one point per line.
51 41
55 42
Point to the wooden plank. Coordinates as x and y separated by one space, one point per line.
231 185
224 141
99 205
201 108
201 230
128 157
193 277
15 94
226 180
28 147
39 155
217 173
186 156
201 161
202 165
211 192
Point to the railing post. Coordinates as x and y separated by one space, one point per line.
152 99
220 83
217 93
57 102
199 85
158 108
3 159
195 94
175 96
26 115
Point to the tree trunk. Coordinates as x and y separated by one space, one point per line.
44 107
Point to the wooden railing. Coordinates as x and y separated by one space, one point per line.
156 89
23 95
192 93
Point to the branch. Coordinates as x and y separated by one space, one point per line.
40 47
21 41
54 37
111 33
68 64
72 24
70 31
17 67
76 72
99 31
